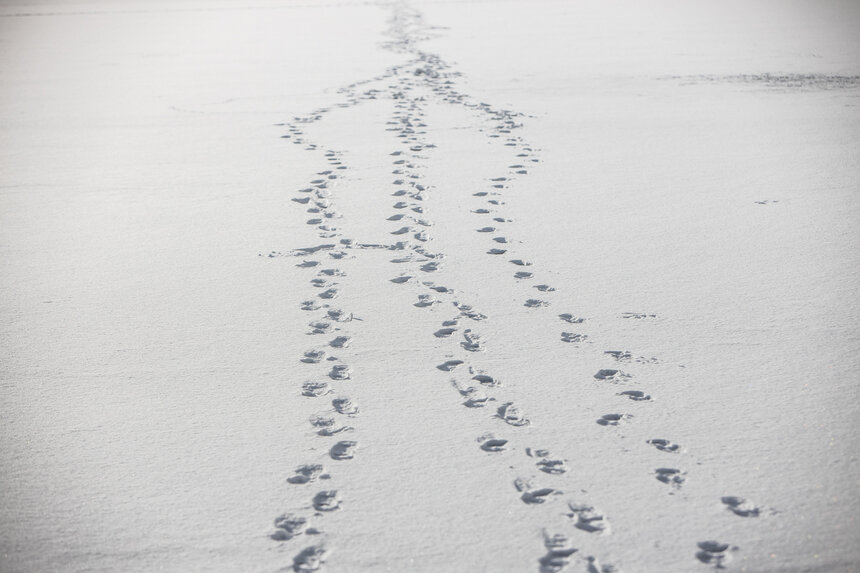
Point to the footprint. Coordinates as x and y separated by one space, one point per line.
328 500
307 473
430 267
665 445
310 305
444 332
289 526
497 252
486 380
523 275
567 317
512 415
573 337
340 342
554 467
486 229
328 294
472 341
340 372
612 419
308 264
740 506
534 496
500 239
610 374
637 315
425 300
619 355
671 476
535 303
558 553
400 280
402 231
714 553
545 288
589 519
477 401
332 273
315 389
491 444
449 365
396 217
521 263
636 395
313 356
339 315
345 406
344 450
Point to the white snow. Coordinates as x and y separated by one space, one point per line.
681 175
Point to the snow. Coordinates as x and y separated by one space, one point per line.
690 191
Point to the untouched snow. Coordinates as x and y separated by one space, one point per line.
668 383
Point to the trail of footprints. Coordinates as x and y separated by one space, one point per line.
411 87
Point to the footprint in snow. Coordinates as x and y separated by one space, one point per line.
345 406
512 415
715 553
449 365
636 395
444 332
425 300
310 305
573 337
567 317
486 380
344 450
310 559
288 526
340 372
340 342
665 445
589 519
315 389
319 327
328 294
611 375
740 506
550 466
533 496
489 443
559 551
535 303
472 342
328 500
313 356
612 419
308 473
670 476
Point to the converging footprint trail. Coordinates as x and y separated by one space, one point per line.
540 479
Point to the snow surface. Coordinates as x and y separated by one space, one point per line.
670 385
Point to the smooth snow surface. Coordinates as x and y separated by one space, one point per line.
425 286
